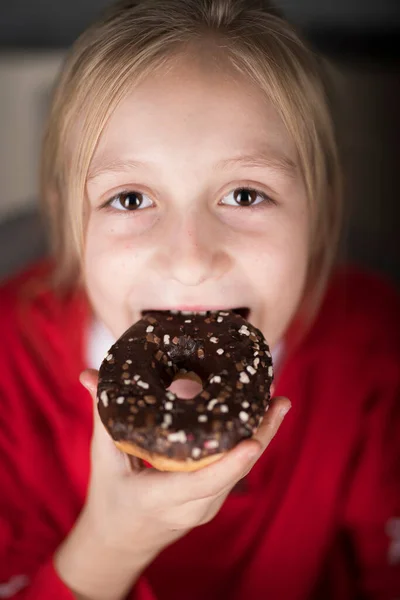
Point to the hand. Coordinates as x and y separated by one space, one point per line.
134 513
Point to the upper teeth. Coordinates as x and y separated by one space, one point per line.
188 313
223 312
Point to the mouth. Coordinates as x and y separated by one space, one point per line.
243 311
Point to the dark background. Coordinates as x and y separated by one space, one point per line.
56 23
362 40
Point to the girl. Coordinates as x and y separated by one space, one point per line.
190 163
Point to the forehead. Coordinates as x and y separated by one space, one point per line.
194 111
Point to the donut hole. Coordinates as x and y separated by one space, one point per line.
186 385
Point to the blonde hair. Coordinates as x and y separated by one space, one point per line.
137 36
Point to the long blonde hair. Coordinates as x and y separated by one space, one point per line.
134 38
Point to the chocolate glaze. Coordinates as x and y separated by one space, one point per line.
230 356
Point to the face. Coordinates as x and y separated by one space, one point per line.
195 202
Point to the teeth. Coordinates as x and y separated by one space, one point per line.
191 313
203 313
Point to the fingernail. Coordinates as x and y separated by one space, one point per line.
284 411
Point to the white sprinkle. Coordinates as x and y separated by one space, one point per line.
243 416
224 314
270 371
211 444
267 408
196 452
214 340
224 408
130 340
212 403
179 436
244 330
143 385
169 406
174 312
244 378
188 321
167 421
169 363
127 381
166 339
202 313
268 354
250 370
186 312
256 362
255 353
202 418
215 379
104 398
109 357
150 329
128 361
120 400
245 404
220 351
136 378
219 320
170 396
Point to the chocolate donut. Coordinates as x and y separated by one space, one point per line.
229 356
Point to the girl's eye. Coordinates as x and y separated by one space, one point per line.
130 201
245 197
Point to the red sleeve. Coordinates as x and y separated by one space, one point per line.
46 585
372 507
33 520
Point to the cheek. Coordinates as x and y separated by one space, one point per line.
279 273
279 252
276 263
111 267
106 250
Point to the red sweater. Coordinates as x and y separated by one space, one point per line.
313 520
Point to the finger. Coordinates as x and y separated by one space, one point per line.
212 480
221 476
278 409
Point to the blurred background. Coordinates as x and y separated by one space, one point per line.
361 38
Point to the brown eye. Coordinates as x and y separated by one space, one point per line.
131 200
245 197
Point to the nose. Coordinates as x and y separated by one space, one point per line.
191 251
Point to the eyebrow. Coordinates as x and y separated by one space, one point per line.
267 159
